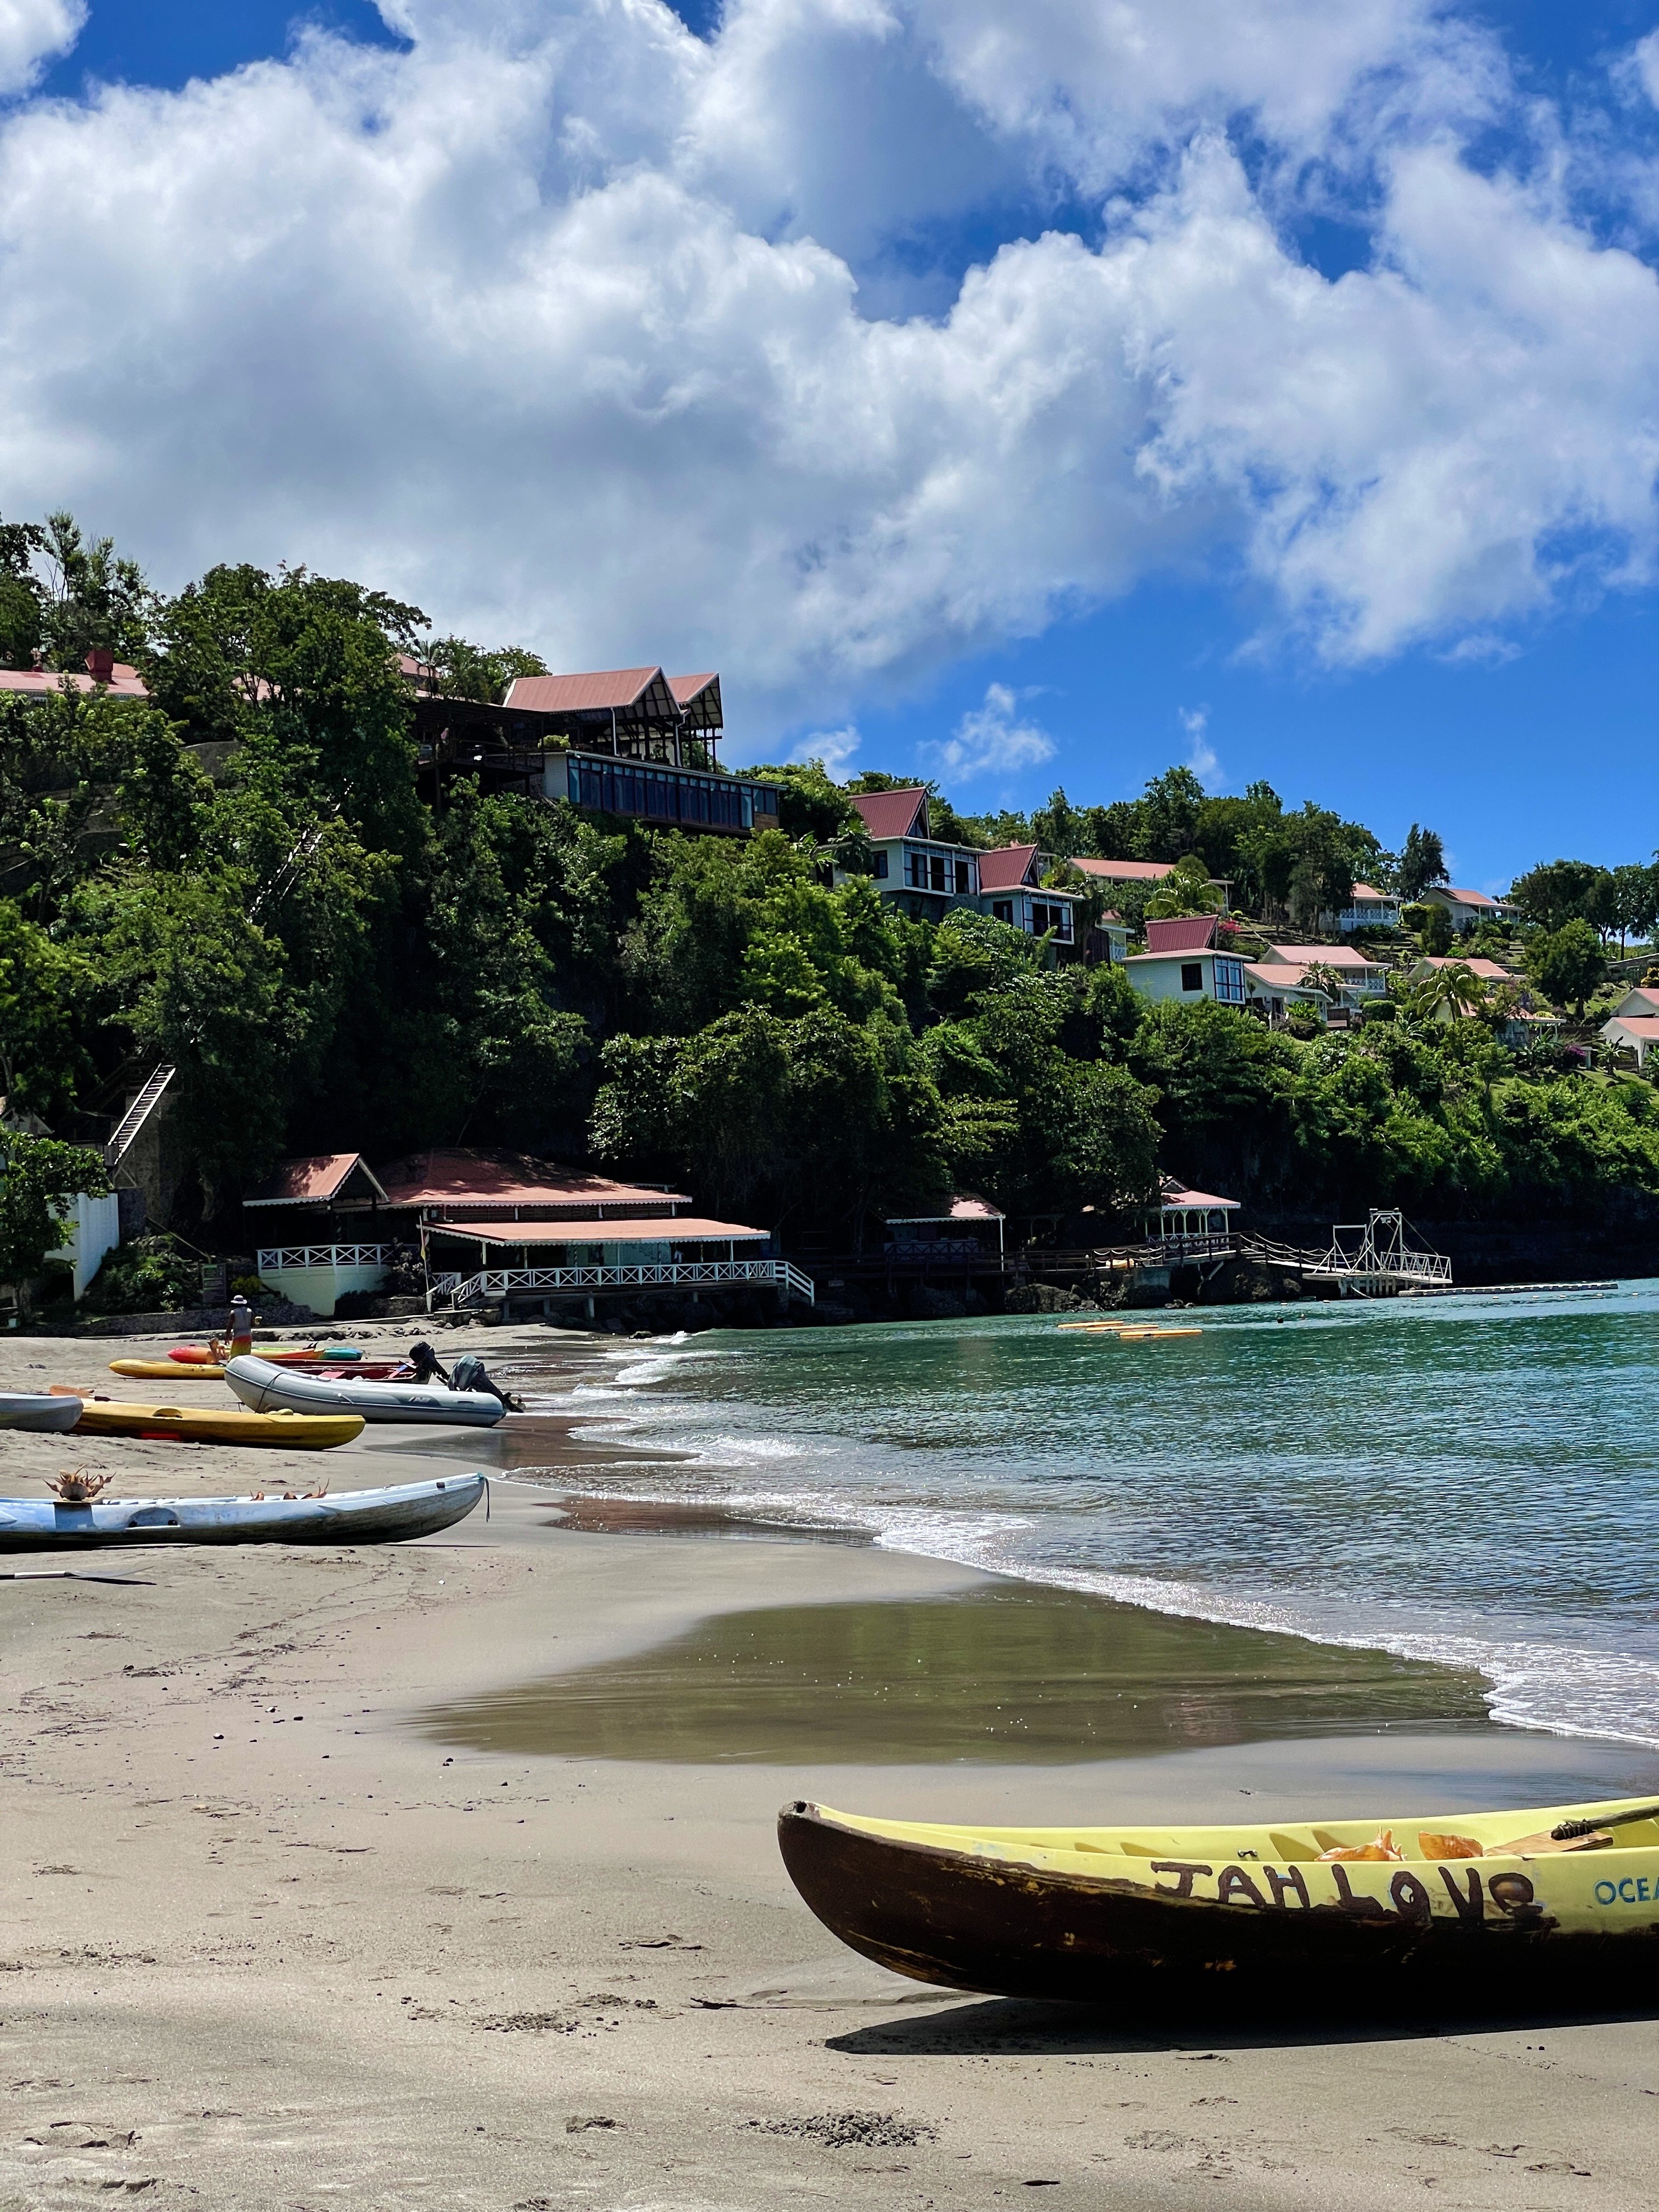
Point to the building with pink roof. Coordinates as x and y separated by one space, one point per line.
1466 908
926 877
104 672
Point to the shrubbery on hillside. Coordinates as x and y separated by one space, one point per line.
331 966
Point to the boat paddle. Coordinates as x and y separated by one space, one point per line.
70 1575
1582 1835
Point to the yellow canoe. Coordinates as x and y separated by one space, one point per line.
165 1371
228 1425
1554 1904
1155 1335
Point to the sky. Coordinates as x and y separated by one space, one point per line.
1010 394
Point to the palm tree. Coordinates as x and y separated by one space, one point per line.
1321 976
1448 994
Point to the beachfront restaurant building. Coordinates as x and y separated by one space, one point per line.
503 1229
968 1229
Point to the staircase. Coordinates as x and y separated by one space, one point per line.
137 1113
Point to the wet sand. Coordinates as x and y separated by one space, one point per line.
997 1672
264 1942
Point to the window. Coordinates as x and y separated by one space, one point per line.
881 868
962 877
1045 917
937 866
1230 982
622 788
1002 910
1191 974
916 871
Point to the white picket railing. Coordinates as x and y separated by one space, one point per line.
277 1257
503 1282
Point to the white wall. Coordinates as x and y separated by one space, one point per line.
95 1230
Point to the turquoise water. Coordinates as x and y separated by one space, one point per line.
1468 1479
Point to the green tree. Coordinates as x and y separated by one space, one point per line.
1566 964
1186 890
456 670
91 598
1634 901
1452 993
1557 891
1171 807
21 595
1422 862
1433 924
37 1176
810 803
40 982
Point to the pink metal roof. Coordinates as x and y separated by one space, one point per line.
124 683
1006 868
311 1181
1463 898
966 1206
1187 932
1124 872
1280 978
1328 955
497 1179
681 1229
571 695
1171 1192
1645 1026
891 813
1488 970
1370 892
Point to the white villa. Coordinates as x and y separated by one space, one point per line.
926 876
1183 960
1369 908
1634 1025
1467 907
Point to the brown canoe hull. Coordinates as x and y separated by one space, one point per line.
1001 1928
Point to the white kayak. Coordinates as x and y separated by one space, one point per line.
19 1410
270 1388
355 1516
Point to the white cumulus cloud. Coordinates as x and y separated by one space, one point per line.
831 749
992 740
589 334
32 34
1201 756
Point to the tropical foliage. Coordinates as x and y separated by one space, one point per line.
239 878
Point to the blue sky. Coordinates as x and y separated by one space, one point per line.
1508 700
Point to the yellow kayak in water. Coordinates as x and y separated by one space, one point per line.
225 1424
1554 1905
167 1371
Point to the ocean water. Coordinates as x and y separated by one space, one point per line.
1469 1479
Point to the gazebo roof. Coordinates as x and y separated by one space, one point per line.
1171 1192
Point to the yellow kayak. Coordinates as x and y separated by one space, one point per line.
165 1371
1551 1905
228 1425
1155 1335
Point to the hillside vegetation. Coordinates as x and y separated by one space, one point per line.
240 879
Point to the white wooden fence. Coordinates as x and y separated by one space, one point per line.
660 1275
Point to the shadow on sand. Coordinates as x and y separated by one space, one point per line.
1009 2026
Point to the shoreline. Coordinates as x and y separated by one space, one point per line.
263 1943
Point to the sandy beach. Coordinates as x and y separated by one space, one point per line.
277 1932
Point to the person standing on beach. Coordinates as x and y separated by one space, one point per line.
242 1327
